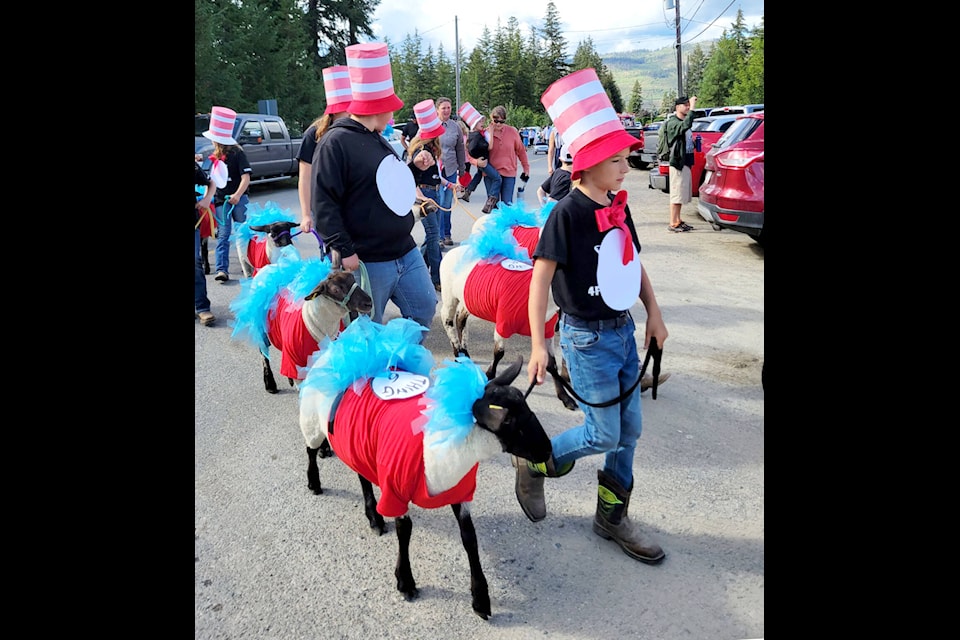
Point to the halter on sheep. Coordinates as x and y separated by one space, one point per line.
419 441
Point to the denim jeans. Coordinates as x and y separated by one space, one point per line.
507 187
225 215
446 202
431 240
405 282
602 364
200 300
491 183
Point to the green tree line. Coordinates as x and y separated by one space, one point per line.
276 49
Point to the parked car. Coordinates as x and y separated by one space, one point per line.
651 133
705 132
634 159
394 140
731 196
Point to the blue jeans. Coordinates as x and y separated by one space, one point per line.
446 202
200 300
431 239
491 180
226 214
507 187
602 364
405 282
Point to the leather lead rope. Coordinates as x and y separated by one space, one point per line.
653 352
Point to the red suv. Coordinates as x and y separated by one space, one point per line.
731 196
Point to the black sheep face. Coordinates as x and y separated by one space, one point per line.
504 411
279 231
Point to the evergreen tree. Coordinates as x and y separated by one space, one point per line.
636 99
719 74
696 63
748 86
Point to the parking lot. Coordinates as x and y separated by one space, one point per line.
272 560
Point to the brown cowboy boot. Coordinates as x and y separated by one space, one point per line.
647 381
490 204
529 485
612 521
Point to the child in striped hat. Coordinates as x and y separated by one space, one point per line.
478 154
588 254
363 194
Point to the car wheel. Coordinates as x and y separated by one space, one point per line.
637 163
759 238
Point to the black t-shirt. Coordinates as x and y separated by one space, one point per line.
410 130
309 145
237 165
477 145
570 237
557 184
429 177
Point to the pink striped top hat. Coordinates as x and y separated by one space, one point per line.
371 80
470 115
221 125
428 119
336 84
584 116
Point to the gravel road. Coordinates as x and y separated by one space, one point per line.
274 561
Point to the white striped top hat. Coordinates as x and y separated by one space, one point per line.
221 125
336 84
371 80
584 116
428 119
470 115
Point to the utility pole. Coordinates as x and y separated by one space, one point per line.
679 59
456 35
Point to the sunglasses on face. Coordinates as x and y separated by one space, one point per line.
499 121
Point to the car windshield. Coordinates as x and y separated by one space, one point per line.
739 130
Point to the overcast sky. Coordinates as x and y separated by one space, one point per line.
613 25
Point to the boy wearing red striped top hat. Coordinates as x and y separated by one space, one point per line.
588 254
362 193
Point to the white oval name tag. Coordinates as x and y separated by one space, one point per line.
398 385
515 265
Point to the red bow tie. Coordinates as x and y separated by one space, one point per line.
614 216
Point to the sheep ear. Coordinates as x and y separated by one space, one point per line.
320 289
489 416
508 376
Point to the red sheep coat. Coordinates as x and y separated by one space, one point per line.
527 237
500 296
288 333
257 253
382 440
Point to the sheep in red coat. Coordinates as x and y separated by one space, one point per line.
419 440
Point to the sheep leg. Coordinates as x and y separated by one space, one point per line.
461 329
498 352
313 472
325 450
405 582
205 253
478 582
269 382
370 505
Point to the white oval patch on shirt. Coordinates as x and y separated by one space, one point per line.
619 283
515 265
395 184
398 385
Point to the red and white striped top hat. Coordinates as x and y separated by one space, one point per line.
428 119
221 125
470 115
584 116
371 80
336 84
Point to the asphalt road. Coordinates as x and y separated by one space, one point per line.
274 561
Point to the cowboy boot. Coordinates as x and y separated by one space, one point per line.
529 485
490 204
647 381
612 521
466 195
